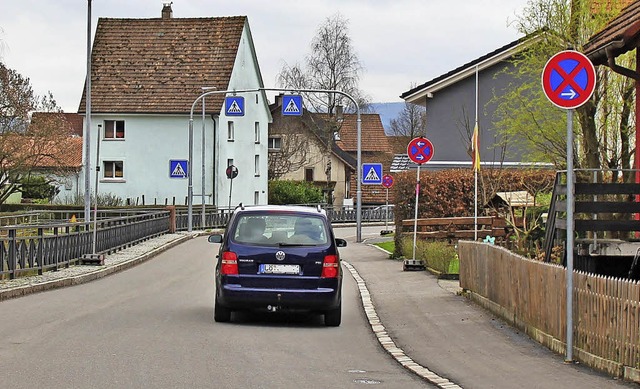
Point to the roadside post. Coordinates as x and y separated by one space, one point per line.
419 150
387 183
568 81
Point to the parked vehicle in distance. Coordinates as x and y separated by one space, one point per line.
278 258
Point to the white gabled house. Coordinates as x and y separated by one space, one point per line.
146 74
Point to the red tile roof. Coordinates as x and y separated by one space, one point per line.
373 137
159 65
52 153
73 121
622 34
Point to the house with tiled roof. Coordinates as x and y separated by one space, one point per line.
375 148
146 75
303 148
450 101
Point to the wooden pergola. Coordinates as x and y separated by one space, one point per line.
621 35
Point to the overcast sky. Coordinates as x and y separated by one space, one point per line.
399 42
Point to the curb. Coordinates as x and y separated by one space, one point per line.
388 343
90 276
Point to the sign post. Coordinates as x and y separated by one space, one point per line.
419 150
568 81
231 172
387 183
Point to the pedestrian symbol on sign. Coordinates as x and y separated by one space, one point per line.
372 175
178 168
292 105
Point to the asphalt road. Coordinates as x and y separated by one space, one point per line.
151 327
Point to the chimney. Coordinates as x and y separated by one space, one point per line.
167 12
339 113
279 100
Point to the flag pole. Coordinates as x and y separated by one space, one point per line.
476 165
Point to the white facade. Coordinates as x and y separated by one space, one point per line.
137 163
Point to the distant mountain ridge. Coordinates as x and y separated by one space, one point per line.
387 112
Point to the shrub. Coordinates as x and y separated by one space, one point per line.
293 192
436 255
36 187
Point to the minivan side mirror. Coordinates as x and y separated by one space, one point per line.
341 242
215 238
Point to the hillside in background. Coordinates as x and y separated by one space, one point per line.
387 112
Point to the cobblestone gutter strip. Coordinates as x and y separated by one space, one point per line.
79 274
388 343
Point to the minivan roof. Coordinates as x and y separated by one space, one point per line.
283 208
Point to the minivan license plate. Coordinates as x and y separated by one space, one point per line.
268 268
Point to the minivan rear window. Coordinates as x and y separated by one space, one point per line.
277 229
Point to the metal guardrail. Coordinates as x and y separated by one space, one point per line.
56 244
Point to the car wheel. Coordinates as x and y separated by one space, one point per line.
333 317
220 313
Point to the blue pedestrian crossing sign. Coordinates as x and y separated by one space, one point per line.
291 105
372 173
178 168
234 106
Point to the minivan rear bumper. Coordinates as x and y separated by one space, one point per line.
326 296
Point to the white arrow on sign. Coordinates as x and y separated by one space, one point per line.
571 94
420 144
419 157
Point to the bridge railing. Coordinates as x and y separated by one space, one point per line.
35 248
218 218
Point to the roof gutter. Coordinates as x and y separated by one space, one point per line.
611 61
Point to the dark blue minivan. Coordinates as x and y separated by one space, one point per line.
278 258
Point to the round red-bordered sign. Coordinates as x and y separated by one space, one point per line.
420 150
569 79
387 181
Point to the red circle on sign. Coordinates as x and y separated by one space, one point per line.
420 150
569 79
387 181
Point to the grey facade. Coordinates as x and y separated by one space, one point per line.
450 102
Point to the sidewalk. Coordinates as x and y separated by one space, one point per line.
457 340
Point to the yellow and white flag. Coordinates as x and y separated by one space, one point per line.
475 148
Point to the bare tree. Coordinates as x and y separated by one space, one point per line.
291 155
26 147
410 123
331 65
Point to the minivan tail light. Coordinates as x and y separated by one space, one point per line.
229 263
330 266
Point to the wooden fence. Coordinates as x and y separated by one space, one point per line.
531 295
455 228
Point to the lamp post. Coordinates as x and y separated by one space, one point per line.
87 132
359 145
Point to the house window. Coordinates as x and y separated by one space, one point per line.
257 165
256 197
308 174
230 131
229 162
113 169
114 129
275 143
256 132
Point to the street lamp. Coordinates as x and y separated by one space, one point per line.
359 145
